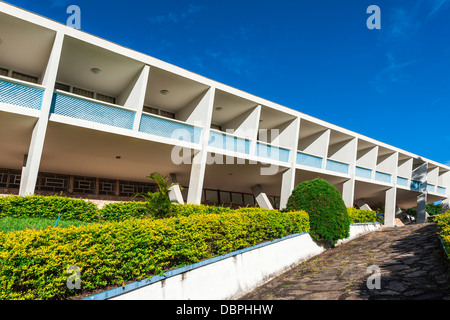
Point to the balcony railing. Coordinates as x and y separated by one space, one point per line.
308 160
271 152
402 181
169 128
363 173
72 106
21 94
383 177
226 141
337 166
441 190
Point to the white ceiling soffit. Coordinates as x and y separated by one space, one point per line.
25 46
180 90
79 57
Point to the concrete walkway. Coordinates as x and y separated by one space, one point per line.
407 263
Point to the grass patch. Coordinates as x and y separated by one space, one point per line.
11 224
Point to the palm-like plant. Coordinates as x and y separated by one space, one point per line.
158 203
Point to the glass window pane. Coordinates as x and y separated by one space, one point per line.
236 198
225 197
212 196
249 200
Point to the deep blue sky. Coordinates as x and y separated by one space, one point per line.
314 56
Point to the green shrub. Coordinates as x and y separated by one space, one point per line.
120 211
329 219
48 207
158 204
188 209
33 263
359 216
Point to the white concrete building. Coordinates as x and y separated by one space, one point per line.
84 116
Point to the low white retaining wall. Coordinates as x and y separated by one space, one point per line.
229 276
358 229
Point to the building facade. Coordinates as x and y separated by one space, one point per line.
82 116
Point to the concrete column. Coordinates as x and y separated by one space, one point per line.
197 177
136 96
420 174
199 111
97 186
30 171
390 206
422 208
71 184
117 188
289 137
348 192
348 187
261 197
287 185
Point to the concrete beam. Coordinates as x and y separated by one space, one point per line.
361 203
175 190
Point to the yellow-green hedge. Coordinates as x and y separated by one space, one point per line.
360 216
443 223
33 263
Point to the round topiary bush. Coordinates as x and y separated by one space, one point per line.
329 220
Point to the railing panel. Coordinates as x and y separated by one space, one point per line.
228 142
21 95
170 129
91 111
402 181
363 173
441 190
383 177
337 166
272 152
308 160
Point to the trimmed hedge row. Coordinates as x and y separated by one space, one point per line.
77 209
33 263
121 211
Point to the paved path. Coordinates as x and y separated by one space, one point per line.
411 262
